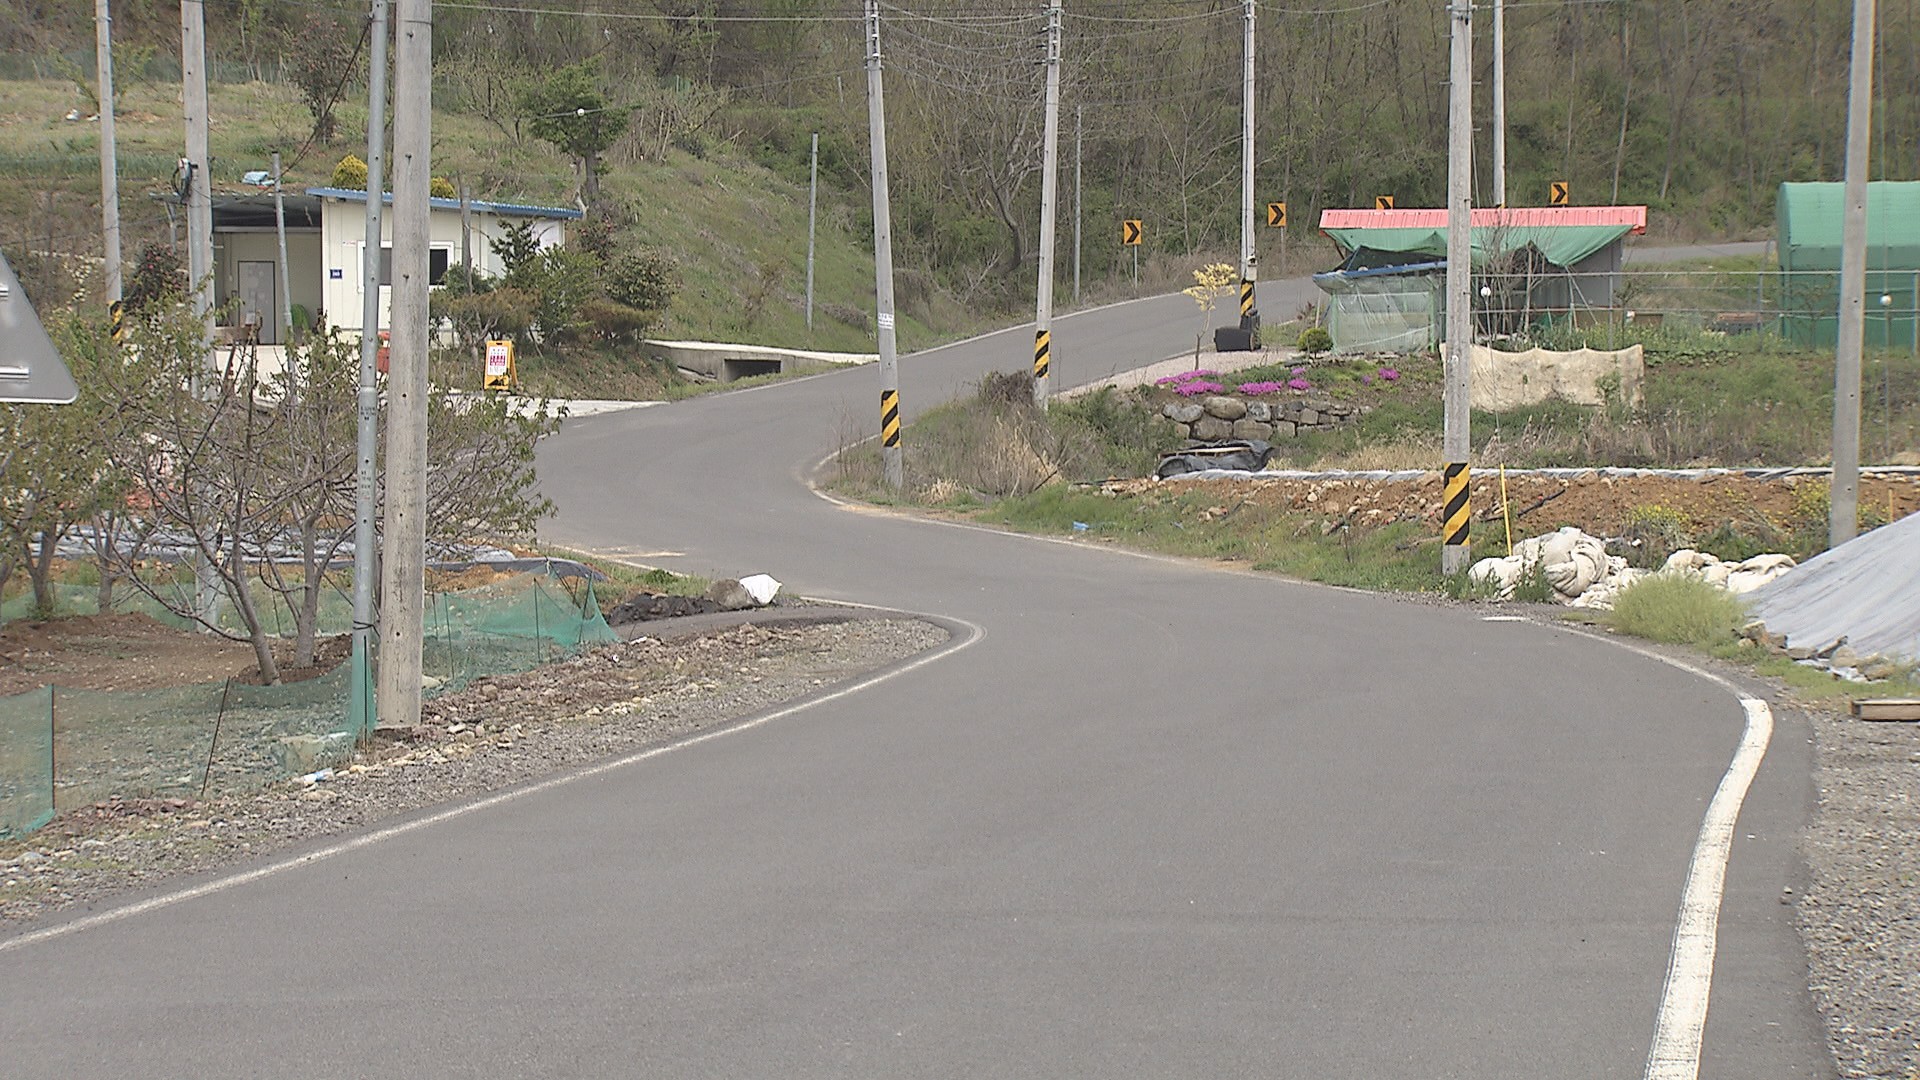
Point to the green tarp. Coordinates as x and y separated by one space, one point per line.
1810 218
1563 245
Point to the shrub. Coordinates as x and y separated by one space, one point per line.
612 321
157 279
1315 340
351 172
1677 609
1007 388
499 313
564 282
439 187
644 278
1654 532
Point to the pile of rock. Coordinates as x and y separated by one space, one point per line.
1223 416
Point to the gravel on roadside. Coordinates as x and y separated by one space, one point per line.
1860 919
496 733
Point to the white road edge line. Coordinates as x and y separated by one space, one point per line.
1682 1019
975 633
1680 1026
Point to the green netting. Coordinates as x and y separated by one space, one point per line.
26 761
62 748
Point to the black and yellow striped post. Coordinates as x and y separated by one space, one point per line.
117 312
1042 361
890 419
1455 515
1246 300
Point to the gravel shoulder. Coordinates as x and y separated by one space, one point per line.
497 733
1860 918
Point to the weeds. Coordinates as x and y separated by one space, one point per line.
1678 610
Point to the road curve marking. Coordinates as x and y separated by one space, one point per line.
972 633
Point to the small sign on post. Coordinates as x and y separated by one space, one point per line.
1276 215
1130 232
499 374
1383 202
1557 194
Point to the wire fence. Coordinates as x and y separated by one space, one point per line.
62 748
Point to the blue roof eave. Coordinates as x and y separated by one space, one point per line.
559 213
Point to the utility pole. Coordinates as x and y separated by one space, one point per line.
813 197
1456 438
286 280
403 568
1079 128
109 158
361 705
466 233
1249 258
1049 202
1843 502
197 178
892 466
1499 103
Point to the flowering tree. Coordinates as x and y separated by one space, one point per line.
1210 283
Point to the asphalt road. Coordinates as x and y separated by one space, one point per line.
1149 819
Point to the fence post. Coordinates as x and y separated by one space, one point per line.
206 774
53 750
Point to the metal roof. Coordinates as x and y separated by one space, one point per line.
1524 217
564 213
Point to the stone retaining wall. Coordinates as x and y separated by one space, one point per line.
1222 416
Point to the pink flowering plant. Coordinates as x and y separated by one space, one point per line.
1255 389
1193 387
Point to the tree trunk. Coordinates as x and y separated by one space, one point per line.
306 621
40 572
250 618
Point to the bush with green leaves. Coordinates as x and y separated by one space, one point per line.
614 322
645 278
157 280
1315 340
563 282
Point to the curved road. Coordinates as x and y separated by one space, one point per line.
1143 818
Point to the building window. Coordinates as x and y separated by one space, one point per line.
437 261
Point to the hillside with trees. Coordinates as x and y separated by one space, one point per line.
644 108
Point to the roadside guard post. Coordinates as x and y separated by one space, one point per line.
499 374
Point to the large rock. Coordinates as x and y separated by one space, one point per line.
1212 429
1225 408
1252 429
1259 410
1186 412
730 595
1283 429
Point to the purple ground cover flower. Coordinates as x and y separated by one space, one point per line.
1257 388
1389 374
1298 371
1185 377
1198 386
1299 384
1366 380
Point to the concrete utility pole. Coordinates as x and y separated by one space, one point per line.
1456 440
1843 502
361 708
466 234
403 570
1499 103
1249 258
109 158
813 198
892 466
198 175
1049 204
286 279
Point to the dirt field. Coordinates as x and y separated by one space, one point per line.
1598 504
113 652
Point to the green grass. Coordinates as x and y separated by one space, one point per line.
1677 610
625 579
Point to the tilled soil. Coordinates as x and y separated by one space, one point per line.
1595 502
1860 918
494 734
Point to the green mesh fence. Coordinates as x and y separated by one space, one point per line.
62 748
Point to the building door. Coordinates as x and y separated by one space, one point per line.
258 300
